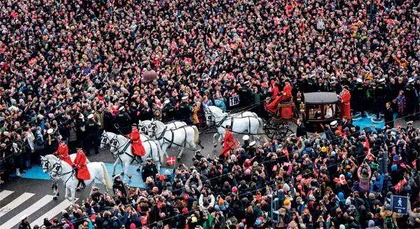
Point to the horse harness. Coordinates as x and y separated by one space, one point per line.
132 156
171 142
220 124
58 166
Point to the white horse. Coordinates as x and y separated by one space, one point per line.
60 170
143 125
55 187
120 147
181 136
241 123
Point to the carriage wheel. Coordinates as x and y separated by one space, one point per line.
283 132
270 131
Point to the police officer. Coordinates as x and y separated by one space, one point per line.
245 145
149 170
245 94
168 111
412 100
185 111
134 113
92 135
359 97
380 94
122 122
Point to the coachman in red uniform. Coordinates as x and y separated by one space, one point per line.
137 146
82 172
285 95
229 143
63 153
345 98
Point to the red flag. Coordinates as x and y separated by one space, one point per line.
171 160
403 165
286 152
400 185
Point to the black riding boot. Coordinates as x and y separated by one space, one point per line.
81 182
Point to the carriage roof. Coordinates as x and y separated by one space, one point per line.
320 98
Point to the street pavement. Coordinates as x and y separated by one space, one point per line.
33 197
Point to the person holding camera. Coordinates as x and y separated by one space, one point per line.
364 173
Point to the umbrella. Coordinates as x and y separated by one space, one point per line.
149 76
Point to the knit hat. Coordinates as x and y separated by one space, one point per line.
394 168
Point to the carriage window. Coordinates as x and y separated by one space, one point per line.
315 111
329 110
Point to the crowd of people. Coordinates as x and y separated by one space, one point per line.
70 69
344 179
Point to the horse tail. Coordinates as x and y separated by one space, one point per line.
197 140
108 182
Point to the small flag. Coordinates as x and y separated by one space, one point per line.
170 161
414 163
398 187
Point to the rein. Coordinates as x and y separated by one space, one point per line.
162 134
59 174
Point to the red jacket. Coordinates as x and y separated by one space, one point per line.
229 143
80 164
63 153
136 143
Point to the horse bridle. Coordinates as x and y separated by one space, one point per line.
108 140
117 147
214 118
46 163
161 135
58 169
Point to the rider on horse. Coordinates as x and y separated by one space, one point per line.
82 172
136 144
63 153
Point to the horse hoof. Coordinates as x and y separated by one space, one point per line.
138 169
129 177
122 173
55 198
215 145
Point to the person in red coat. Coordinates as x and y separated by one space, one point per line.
82 172
136 143
63 153
345 98
229 143
285 95
274 87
